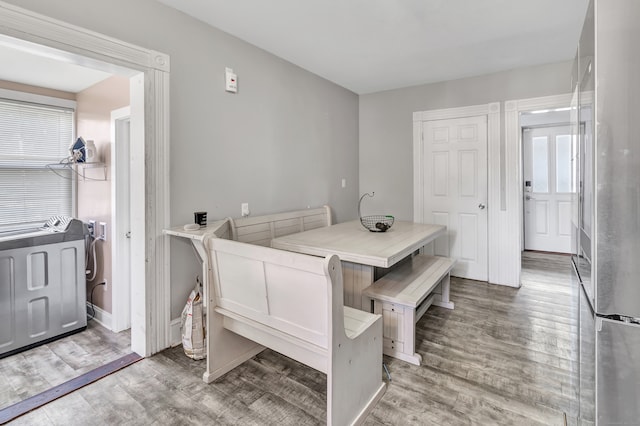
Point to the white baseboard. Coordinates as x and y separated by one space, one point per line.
103 317
176 335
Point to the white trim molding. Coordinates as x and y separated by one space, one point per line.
100 316
151 317
492 112
512 218
176 332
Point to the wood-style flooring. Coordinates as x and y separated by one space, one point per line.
504 356
28 373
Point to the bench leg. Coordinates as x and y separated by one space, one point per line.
225 349
410 355
442 299
399 335
354 382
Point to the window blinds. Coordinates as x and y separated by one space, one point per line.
31 137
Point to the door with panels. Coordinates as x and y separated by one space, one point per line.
455 191
548 186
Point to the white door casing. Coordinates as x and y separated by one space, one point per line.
455 191
547 188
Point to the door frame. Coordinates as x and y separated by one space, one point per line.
151 295
492 112
514 192
120 206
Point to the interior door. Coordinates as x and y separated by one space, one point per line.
548 188
455 191
121 181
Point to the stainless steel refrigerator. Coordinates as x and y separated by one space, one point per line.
606 212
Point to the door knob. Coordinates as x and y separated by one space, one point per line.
128 234
481 206
529 197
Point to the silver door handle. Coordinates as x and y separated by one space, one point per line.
128 234
529 197
481 206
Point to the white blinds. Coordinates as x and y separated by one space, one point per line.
32 136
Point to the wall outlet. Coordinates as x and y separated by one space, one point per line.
245 209
102 231
92 228
106 284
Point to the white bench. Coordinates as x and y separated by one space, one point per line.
293 304
261 230
403 295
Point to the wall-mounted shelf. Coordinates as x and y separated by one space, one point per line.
85 166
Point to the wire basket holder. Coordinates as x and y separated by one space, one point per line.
374 223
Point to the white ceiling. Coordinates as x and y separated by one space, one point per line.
363 45
374 45
30 64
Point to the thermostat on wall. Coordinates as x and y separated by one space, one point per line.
231 80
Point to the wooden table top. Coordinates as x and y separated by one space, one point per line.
353 243
196 234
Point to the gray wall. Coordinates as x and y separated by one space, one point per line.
283 142
386 126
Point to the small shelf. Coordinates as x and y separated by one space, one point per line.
85 166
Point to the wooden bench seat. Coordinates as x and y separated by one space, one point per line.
403 295
293 304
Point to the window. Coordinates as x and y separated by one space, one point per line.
540 164
563 163
32 136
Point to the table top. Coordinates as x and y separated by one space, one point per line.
196 234
353 243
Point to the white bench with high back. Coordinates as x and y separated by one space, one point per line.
403 295
293 304
262 229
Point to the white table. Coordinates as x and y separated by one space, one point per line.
361 250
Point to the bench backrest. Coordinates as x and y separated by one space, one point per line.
260 230
286 291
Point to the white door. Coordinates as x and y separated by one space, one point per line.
455 191
121 195
547 188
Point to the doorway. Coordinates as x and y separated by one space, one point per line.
150 293
456 156
548 188
512 180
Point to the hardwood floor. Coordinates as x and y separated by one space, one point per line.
28 373
504 356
